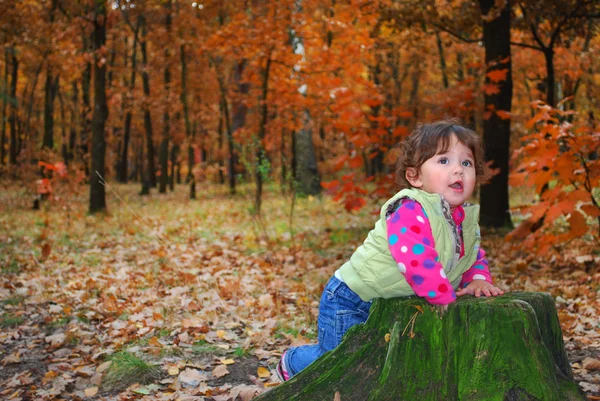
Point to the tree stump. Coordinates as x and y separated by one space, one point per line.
507 348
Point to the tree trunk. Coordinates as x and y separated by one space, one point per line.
238 120
172 174
443 68
4 104
85 112
221 131
307 178
124 157
74 121
260 152
12 119
496 130
150 170
414 92
188 126
507 348
50 91
550 77
145 181
64 145
164 143
97 190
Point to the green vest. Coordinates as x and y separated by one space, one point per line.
372 272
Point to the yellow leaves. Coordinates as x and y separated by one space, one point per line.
387 337
173 371
263 372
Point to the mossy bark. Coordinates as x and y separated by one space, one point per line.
506 348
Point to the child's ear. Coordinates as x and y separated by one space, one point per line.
412 176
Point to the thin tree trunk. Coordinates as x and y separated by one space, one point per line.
97 190
150 170
29 108
50 91
260 153
164 143
145 181
173 157
4 104
64 143
188 126
128 114
74 120
239 118
443 68
550 77
85 111
496 130
221 143
12 119
414 92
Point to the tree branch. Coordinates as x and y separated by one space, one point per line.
456 35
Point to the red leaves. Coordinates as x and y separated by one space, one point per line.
555 158
497 75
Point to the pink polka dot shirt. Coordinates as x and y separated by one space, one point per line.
412 246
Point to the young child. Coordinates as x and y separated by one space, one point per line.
426 242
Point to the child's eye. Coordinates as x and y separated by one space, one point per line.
467 163
443 160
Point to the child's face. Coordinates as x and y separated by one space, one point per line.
450 174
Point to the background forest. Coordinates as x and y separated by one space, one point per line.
177 117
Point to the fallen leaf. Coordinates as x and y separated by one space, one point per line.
228 361
91 391
12 358
220 371
103 367
46 249
387 337
337 396
56 339
264 372
591 363
192 377
245 392
173 371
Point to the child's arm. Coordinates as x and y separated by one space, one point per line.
478 279
479 271
412 246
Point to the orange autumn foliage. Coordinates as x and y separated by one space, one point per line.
560 161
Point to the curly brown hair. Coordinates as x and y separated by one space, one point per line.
427 140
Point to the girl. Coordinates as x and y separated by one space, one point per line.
426 241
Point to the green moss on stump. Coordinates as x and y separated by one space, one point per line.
507 348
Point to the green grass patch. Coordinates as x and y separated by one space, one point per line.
11 268
14 301
171 352
127 369
10 320
204 348
55 324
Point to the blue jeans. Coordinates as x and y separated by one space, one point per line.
340 309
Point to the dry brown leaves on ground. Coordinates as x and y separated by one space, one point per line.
169 299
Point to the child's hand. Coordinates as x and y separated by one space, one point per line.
479 287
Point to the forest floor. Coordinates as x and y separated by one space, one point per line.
166 298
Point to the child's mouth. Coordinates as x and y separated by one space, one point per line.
457 185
